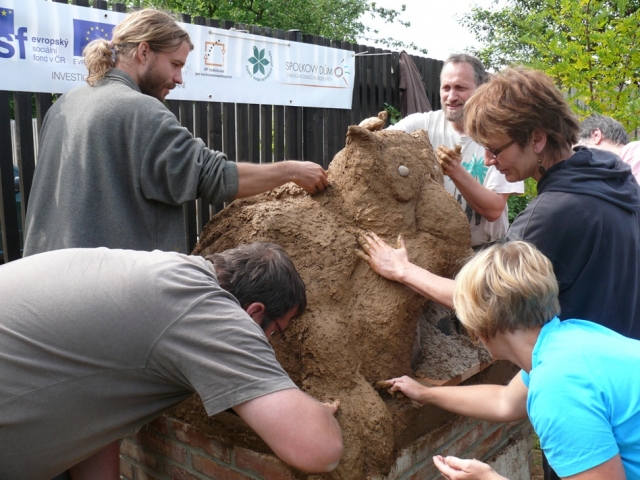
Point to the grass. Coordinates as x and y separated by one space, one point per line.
536 463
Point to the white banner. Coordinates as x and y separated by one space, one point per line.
41 51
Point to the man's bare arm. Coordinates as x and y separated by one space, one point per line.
300 430
254 179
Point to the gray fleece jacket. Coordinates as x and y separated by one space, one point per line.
114 169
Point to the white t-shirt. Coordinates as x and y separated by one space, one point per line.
442 133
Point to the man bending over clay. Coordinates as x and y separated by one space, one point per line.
98 342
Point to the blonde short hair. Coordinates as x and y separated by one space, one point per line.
157 28
506 287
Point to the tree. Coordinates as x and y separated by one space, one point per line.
335 19
589 48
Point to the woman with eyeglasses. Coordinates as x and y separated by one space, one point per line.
585 219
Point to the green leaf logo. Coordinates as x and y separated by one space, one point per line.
258 61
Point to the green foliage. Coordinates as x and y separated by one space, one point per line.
518 203
394 114
589 48
335 19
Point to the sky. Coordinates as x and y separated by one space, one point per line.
434 25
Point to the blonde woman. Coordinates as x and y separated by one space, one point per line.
582 404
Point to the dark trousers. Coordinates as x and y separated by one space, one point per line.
549 473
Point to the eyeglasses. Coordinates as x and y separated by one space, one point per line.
498 151
280 331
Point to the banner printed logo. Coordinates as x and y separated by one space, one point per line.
340 72
86 31
259 63
6 22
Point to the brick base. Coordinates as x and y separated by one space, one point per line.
169 449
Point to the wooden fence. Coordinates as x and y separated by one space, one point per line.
245 132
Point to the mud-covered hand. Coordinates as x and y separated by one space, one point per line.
384 260
449 159
310 176
454 468
409 387
333 407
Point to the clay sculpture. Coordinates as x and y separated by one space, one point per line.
359 328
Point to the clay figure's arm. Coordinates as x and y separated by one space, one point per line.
493 403
454 468
393 264
255 178
300 430
486 202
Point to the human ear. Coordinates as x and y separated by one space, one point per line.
256 312
538 141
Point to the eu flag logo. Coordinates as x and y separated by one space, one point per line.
6 22
86 31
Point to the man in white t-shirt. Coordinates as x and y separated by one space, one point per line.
481 191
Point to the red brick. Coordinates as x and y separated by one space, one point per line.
268 467
126 472
464 443
162 445
486 445
427 470
193 438
176 473
427 445
140 474
134 451
468 433
160 425
215 470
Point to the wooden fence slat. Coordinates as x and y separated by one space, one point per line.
229 118
355 79
311 134
80 3
119 7
200 114
345 114
293 117
8 213
253 125
242 120
44 101
24 142
395 81
214 121
278 119
266 121
100 4
386 80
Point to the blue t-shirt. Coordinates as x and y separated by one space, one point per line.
584 396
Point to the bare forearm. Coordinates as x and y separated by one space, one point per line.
484 402
254 179
438 289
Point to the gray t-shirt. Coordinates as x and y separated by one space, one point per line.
97 342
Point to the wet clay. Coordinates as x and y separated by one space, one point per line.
359 328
